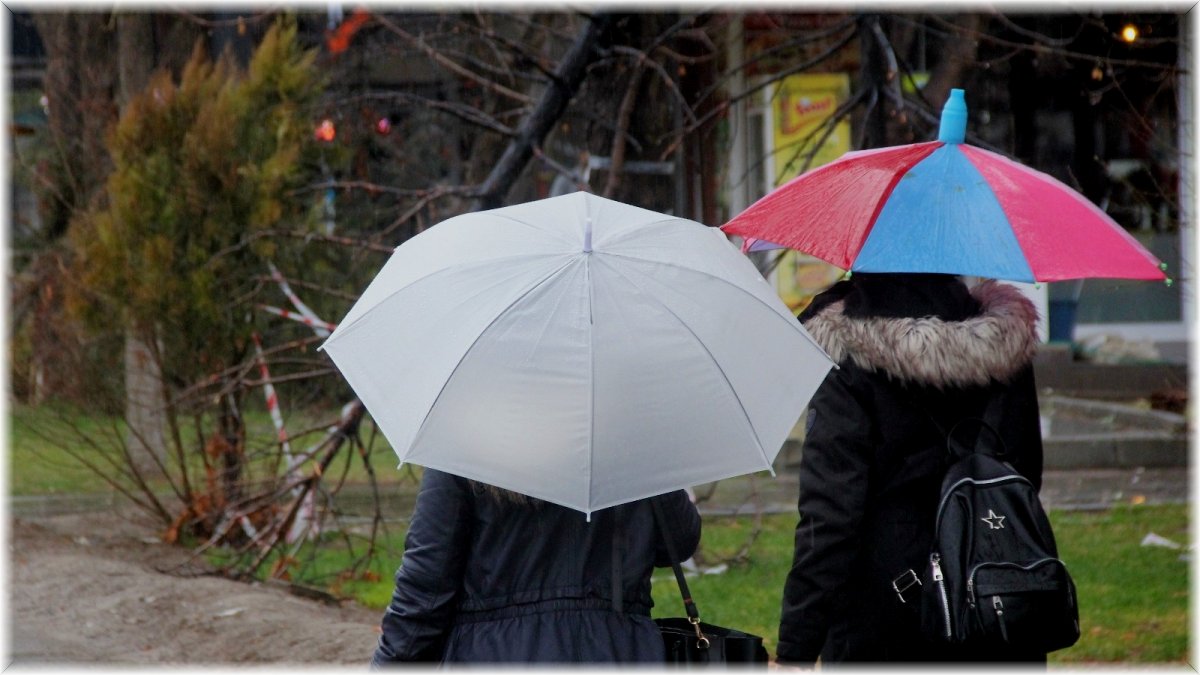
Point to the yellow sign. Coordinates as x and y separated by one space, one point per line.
801 106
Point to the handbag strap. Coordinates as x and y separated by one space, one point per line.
618 554
689 605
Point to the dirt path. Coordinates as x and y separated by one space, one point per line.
86 589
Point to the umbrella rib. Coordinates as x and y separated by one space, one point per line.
587 270
791 321
729 385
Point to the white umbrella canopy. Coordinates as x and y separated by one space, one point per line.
578 350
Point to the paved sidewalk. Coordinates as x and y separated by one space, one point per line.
1103 488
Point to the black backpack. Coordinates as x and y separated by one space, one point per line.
993 578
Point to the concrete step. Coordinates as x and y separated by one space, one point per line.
1084 434
1107 381
1103 451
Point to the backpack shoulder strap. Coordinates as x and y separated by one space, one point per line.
994 411
988 422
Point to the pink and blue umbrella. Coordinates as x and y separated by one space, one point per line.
944 206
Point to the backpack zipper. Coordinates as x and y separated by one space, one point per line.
999 607
939 580
971 577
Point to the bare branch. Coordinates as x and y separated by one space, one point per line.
724 105
263 280
332 239
952 29
1041 38
453 67
624 113
642 62
564 171
463 112
425 199
790 44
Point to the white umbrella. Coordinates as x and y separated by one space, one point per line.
579 350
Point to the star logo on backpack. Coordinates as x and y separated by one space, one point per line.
994 521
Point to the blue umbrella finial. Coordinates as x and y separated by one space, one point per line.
954 118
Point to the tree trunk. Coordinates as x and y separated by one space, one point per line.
144 393
144 412
873 75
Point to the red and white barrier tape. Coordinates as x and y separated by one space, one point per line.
321 328
272 402
304 520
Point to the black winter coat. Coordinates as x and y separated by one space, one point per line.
484 579
873 455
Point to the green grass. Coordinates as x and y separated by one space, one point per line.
45 440
1133 599
39 462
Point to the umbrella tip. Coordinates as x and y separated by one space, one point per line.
587 235
953 128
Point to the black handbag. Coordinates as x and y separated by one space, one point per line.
700 642
691 641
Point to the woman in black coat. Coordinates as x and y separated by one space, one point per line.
493 576
916 352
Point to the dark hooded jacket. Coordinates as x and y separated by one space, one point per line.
486 579
917 353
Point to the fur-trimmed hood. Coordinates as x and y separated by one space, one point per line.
996 344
